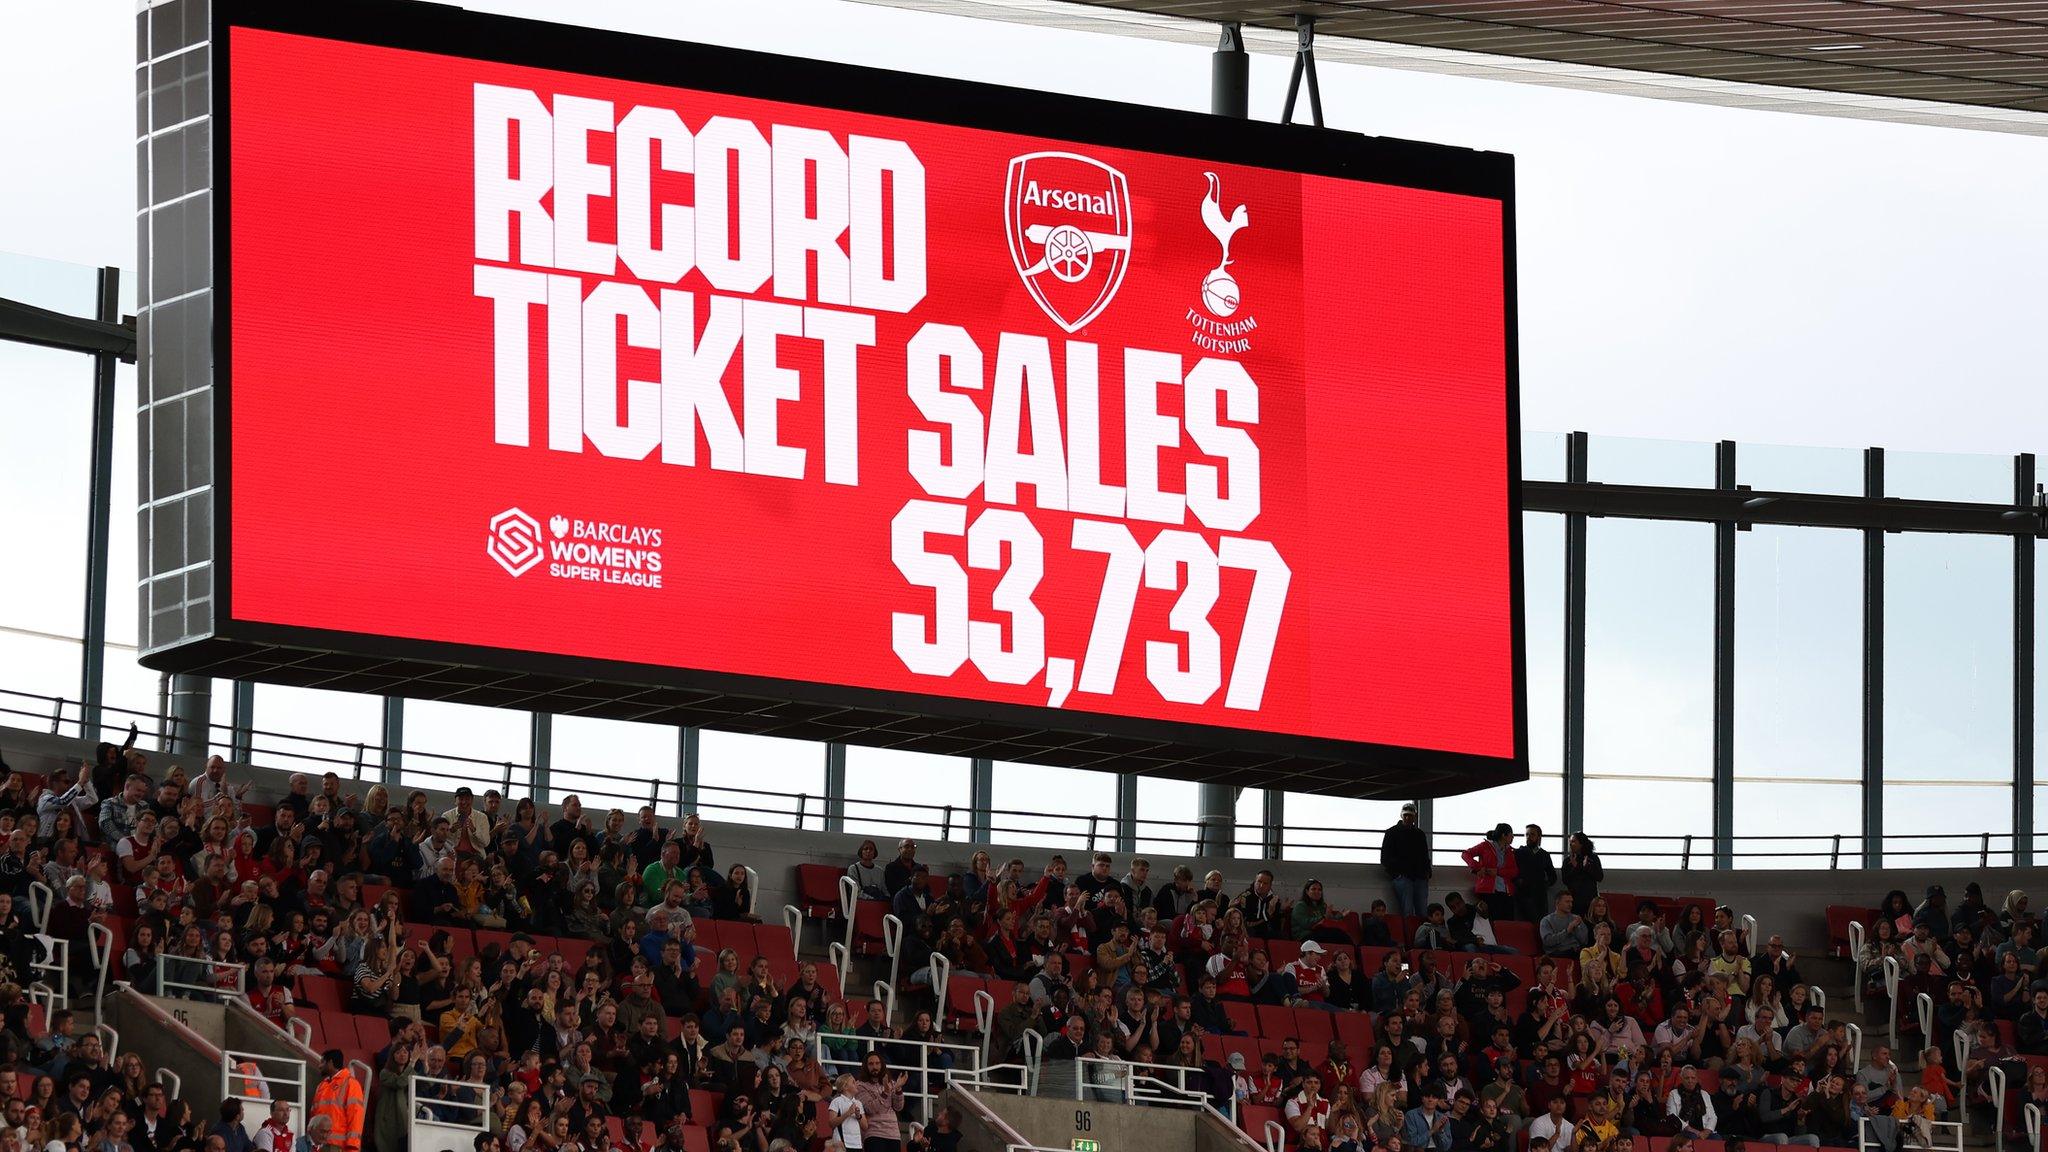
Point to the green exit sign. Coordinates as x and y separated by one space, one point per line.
1081 1145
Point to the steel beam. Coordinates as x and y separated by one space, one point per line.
1724 665
1873 667
28 324
2024 670
1575 467
99 511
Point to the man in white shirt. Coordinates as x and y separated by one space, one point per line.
1307 1108
848 1117
1552 1125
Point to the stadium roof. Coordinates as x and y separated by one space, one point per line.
1963 63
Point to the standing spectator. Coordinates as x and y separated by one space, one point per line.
900 870
1494 871
1536 872
339 1100
1933 912
1404 853
1582 871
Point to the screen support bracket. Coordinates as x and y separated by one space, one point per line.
1304 65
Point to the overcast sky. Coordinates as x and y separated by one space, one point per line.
1687 272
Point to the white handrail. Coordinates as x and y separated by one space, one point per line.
885 992
1962 1044
1996 1077
753 888
300 1030
1817 996
110 1039
1276 1136
942 978
363 1077
836 955
849 899
984 1018
176 1085
1856 937
1034 1053
892 943
2030 1115
56 959
1923 1010
1891 991
793 919
103 955
1855 1044
1749 932
931 1077
40 898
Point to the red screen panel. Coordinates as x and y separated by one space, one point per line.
548 362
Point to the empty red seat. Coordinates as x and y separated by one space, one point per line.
1519 935
322 992
1840 916
1355 1030
817 889
704 1105
1283 952
696 1140
338 1030
774 940
1276 1021
867 927
960 992
1314 1026
1243 1016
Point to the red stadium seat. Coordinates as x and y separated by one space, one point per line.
1213 1050
1355 1030
817 889
322 992
960 992
774 940
1276 1021
573 950
1255 1117
1519 935
373 1032
696 1140
1314 1026
704 1105
712 934
1840 916
338 1030
1283 952
867 927
1243 1016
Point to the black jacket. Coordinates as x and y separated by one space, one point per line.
1404 851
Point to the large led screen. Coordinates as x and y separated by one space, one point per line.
811 381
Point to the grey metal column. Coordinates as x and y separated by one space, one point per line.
1274 813
191 712
1873 668
2023 669
1127 811
688 749
243 721
835 787
99 511
981 791
1230 73
1425 819
1724 667
1575 472
541 756
394 739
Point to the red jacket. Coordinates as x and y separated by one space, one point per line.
1494 869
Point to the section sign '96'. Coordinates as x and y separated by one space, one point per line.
679 379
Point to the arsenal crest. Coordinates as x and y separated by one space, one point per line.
1068 219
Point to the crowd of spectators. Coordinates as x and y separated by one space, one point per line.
1651 1020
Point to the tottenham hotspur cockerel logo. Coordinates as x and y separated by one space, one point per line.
1219 287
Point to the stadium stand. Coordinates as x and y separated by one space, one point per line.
612 981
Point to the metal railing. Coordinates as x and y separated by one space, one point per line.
1114 1081
1937 1129
951 822
199 978
257 1079
460 1105
939 1064
54 965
